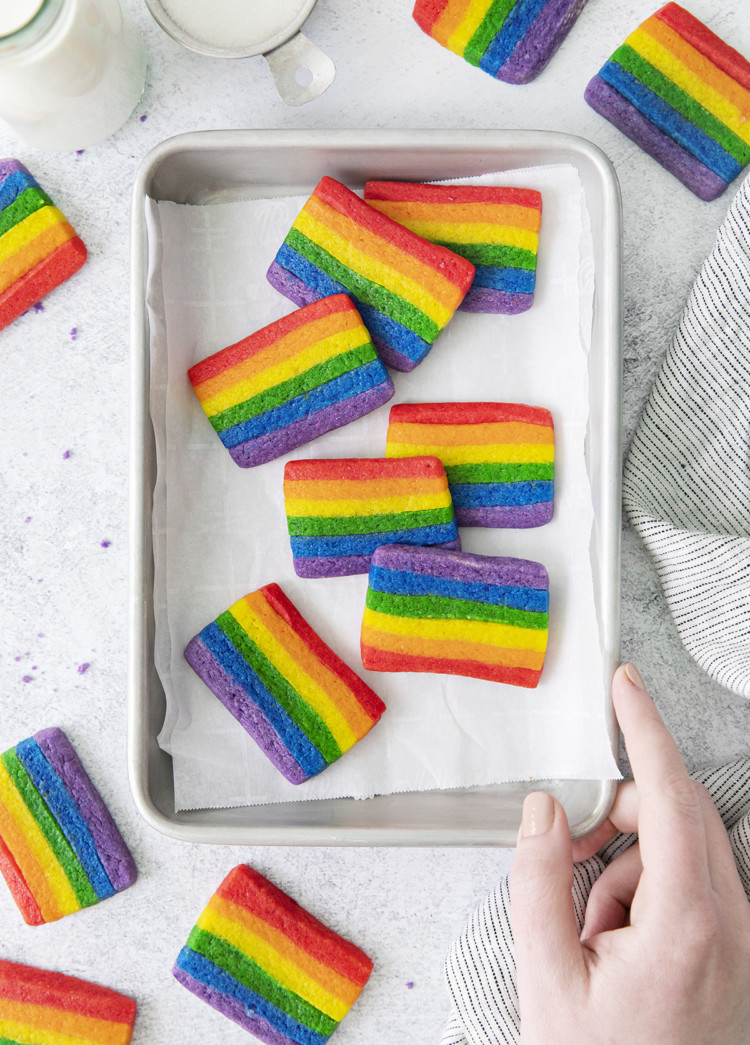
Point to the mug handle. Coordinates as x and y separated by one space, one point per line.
288 64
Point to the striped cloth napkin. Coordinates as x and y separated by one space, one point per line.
687 477
481 966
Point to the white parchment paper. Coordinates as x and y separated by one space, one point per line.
220 531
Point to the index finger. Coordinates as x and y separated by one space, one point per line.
671 825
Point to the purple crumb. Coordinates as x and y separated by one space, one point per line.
83 668
73 333
66 455
27 678
27 519
104 544
38 307
410 985
144 118
80 152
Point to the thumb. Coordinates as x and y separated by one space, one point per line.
545 930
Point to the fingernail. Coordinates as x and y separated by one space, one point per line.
634 676
538 814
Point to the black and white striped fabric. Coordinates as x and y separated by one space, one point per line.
480 968
687 477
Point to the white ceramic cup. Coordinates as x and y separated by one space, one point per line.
243 28
71 71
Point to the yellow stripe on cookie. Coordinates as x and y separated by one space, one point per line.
58 1021
417 502
246 613
438 304
320 352
286 973
450 649
473 17
24 823
277 351
507 453
476 232
489 633
650 47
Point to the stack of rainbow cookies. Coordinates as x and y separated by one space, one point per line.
306 374
60 849
495 228
297 699
41 1006
512 40
339 511
405 288
39 249
262 960
455 613
682 94
499 457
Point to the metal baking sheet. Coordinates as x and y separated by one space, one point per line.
219 166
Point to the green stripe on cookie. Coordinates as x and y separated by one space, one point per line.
633 63
498 255
499 473
58 843
251 975
364 289
27 202
295 386
301 713
490 26
439 607
345 525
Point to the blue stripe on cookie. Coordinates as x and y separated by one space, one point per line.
66 813
401 582
234 664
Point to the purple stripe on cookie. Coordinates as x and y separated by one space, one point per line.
291 286
488 299
392 357
507 516
618 110
249 715
461 566
114 854
331 566
10 167
232 1008
346 565
534 50
275 444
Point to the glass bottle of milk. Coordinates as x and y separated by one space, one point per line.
71 71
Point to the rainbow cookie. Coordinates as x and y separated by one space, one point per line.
60 849
38 248
512 40
310 372
339 511
499 457
682 94
496 229
266 963
428 609
40 1006
302 705
405 287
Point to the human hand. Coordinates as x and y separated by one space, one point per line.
664 956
